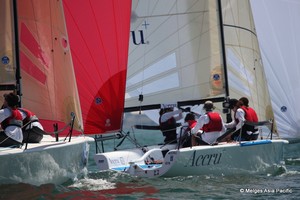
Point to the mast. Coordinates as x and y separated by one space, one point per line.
228 115
223 48
16 51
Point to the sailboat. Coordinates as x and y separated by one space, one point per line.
187 52
279 43
37 65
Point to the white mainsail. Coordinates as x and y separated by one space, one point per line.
174 46
278 29
176 54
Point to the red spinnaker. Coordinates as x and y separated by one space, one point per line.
99 35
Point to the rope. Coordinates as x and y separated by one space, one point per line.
4 140
59 131
12 146
51 133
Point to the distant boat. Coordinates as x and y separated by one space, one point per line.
36 64
187 52
280 47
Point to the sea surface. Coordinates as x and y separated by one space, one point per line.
284 184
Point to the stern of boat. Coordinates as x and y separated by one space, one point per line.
123 159
116 160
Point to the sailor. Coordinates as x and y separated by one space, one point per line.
211 124
11 122
168 123
33 130
250 115
242 113
186 138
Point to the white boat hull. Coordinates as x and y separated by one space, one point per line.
45 162
223 159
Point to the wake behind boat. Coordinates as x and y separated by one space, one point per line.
185 53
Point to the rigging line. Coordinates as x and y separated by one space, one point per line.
179 48
52 54
168 15
154 8
256 84
239 27
141 98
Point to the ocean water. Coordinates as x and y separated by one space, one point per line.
284 184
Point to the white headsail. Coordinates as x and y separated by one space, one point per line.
278 33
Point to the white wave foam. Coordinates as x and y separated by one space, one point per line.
93 184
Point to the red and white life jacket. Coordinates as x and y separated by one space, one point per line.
14 120
30 116
215 122
250 114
